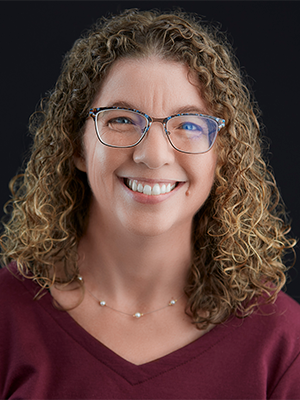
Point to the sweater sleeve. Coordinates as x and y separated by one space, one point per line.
288 387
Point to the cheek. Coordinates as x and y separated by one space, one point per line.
97 167
102 163
93 158
202 170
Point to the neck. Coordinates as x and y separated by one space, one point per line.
118 265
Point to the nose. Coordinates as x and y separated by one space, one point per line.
155 150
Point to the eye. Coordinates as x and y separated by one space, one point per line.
190 126
120 120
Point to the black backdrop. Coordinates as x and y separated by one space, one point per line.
266 35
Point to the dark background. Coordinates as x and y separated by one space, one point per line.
265 34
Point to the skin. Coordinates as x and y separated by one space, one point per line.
136 251
147 85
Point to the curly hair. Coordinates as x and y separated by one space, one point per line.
239 234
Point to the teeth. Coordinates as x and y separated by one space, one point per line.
134 186
148 190
163 189
156 190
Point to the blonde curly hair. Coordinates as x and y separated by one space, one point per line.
240 233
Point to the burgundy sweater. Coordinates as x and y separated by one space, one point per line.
45 354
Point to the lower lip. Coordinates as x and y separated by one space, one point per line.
152 199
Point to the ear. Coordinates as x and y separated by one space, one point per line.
79 162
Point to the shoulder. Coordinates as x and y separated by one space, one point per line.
16 292
11 282
286 304
278 327
265 347
283 313
278 320
9 276
272 333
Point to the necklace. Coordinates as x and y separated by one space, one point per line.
137 315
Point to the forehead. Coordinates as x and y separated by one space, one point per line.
152 85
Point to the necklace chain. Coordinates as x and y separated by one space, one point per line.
137 315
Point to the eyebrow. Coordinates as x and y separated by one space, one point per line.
190 109
181 110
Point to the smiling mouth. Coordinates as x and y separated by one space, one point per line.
154 189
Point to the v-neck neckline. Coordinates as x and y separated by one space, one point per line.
132 373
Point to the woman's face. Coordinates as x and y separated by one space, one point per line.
160 89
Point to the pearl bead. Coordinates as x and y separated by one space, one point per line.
102 303
172 302
137 315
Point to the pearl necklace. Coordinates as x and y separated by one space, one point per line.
137 315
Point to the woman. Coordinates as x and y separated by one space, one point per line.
148 229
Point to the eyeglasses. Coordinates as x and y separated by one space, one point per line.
124 127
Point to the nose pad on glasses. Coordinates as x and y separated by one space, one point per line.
154 150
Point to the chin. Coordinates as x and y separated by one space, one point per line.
147 230
151 226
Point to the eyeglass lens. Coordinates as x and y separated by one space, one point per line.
190 133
